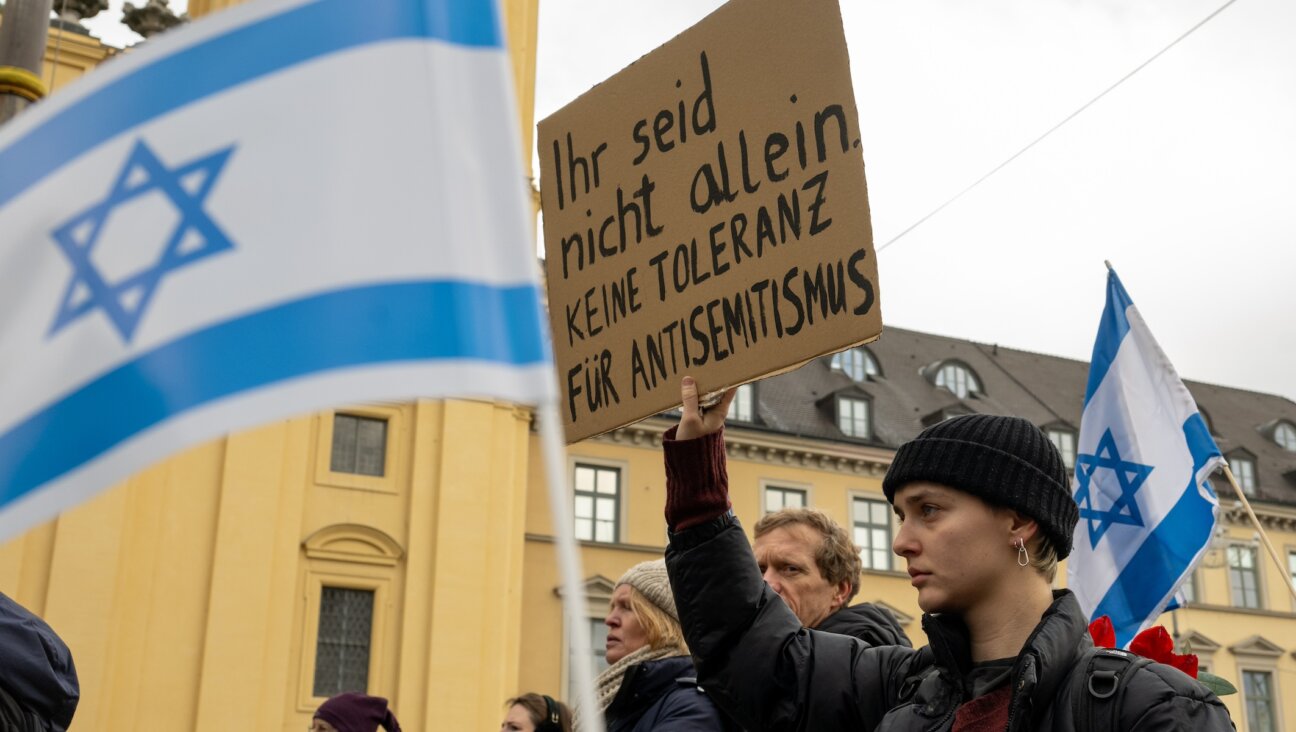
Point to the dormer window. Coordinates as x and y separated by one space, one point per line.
1064 440
959 379
854 417
743 405
1243 467
1285 435
856 363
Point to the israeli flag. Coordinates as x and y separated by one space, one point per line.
1144 455
292 205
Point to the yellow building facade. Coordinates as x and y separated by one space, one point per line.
830 476
193 595
69 56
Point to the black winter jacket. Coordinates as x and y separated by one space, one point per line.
663 695
870 623
769 673
38 682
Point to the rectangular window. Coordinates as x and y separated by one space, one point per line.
778 498
1064 441
741 408
1244 580
1244 470
1189 589
871 520
598 503
1260 713
853 417
359 445
342 645
1291 567
598 645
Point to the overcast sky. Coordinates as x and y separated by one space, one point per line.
1184 177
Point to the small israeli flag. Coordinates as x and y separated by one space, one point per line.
1144 455
291 205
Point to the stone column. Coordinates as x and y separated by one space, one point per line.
23 31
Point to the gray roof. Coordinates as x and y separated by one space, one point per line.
1047 390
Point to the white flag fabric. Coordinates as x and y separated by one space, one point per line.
1147 510
291 205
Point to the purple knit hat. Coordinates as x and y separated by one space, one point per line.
353 712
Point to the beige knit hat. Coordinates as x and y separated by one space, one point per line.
651 581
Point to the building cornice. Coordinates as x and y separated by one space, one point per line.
1272 518
779 448
1232 610
767 447
619 546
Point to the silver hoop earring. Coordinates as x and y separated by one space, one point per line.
1023 557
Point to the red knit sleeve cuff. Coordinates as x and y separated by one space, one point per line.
697 479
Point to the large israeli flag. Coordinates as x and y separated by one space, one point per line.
1146 508
291 205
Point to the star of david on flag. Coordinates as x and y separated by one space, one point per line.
195 243
1143 458
1094 476
194 237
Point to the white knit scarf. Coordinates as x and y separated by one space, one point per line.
608 683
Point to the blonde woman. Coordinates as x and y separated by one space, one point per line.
651 684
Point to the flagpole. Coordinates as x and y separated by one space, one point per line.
560 508
1264 537
22 46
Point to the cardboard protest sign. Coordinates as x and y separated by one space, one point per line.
705 213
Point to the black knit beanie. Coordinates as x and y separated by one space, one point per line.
1005 461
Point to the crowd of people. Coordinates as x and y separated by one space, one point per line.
761 635
723 634
985 514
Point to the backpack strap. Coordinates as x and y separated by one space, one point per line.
1096 693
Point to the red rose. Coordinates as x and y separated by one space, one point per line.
1155 643
1104 636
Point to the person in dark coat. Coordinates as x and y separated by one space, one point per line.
651 684
39 690
986 513
811 563
874 625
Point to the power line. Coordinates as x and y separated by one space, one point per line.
1055 127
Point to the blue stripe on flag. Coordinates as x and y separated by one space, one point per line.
1200 444
380 324
1111 331
1144 582
237 57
